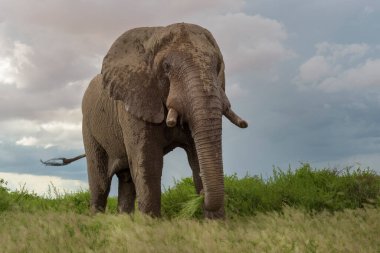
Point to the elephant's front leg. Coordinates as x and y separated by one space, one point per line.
127 192
194 165
146 171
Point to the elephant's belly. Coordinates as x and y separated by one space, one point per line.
113 143
114 146
117 164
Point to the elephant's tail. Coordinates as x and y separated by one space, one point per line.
62 161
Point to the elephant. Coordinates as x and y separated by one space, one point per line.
159 88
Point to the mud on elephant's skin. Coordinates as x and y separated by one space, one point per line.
159 88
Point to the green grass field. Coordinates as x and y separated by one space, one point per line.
305 210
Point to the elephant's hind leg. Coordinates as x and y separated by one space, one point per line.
127 192
97 169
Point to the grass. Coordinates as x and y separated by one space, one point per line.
305 210
292 230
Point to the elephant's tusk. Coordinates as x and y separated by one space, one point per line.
171 119
231 115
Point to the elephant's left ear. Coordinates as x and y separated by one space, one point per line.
128 76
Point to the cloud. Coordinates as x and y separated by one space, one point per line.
336 52
61 50
364 161
40 66
6 71
249 42
363 76
41 184
27 141
14 59
61 128
234 91
62 134
337 67
368 10
110 18
314 69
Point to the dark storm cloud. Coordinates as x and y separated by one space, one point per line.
32 105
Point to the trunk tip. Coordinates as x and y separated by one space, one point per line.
213 203
243 124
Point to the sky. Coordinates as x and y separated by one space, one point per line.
304 74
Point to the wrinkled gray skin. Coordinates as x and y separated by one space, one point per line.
159 88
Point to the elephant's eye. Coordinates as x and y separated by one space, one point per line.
166 67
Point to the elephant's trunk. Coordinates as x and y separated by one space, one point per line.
209 150
206 128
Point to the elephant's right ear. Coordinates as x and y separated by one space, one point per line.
128 76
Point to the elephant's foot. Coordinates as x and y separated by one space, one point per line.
98 202
126 207
150 210
97 209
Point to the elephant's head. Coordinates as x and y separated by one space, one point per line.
176 73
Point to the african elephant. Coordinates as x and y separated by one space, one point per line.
159 88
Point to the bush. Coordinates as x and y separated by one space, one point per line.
306 188
22 200
248 195
4 196
328 189
174 199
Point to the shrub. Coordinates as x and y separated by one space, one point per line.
174 199
306 188
328 189
4 196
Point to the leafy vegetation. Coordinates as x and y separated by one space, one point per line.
305 188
